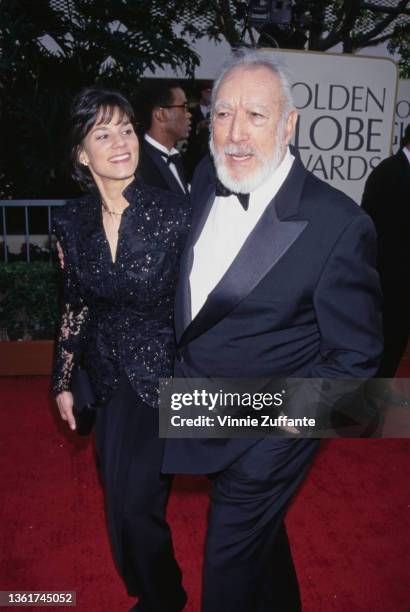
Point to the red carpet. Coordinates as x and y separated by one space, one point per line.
349 525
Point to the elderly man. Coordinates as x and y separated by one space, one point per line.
278 280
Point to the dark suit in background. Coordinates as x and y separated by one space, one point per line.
386 199
164 119
198 139
154 170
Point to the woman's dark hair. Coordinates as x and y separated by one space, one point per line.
90 105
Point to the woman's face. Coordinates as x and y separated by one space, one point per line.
110 150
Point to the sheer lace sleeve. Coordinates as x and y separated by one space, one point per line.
75 312
69 345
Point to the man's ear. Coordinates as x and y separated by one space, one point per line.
290 125
158 114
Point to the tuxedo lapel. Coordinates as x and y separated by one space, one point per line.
268 242
265 246
163 168
179 164
183 292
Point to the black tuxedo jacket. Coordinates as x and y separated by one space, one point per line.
198 140
154 171
386 199
197 115
301 299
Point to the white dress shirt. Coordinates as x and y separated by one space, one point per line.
227 227
166 152
205 110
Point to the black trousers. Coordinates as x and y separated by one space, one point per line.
248 563
136 494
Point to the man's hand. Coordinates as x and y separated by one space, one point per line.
288 428
60 254
65 405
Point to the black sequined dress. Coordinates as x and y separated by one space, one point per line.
118 317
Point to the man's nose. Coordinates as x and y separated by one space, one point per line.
238 128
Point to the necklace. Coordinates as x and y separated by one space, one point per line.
111 212
108 211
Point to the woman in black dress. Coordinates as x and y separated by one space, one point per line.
122 245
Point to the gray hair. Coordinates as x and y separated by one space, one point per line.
253 58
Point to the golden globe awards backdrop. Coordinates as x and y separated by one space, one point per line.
402 112
346 105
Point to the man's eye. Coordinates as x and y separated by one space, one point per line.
258 115
101 136
222 114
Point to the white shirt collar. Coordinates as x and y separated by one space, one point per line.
267 191
159 146
406 153
226 229
204 109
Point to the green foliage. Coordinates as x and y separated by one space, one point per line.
29 307
49 50
401 45
317 25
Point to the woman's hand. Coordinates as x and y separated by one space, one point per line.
65 405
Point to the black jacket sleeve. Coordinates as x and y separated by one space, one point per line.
75 312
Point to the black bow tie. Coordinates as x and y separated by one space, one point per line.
224 192
171 159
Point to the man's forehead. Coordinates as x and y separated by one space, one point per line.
251 103
252 85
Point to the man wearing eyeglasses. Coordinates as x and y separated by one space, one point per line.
165 119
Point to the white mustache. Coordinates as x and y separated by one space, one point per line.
233 149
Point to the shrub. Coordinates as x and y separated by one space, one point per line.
29 302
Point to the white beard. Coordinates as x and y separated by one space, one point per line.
255 179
